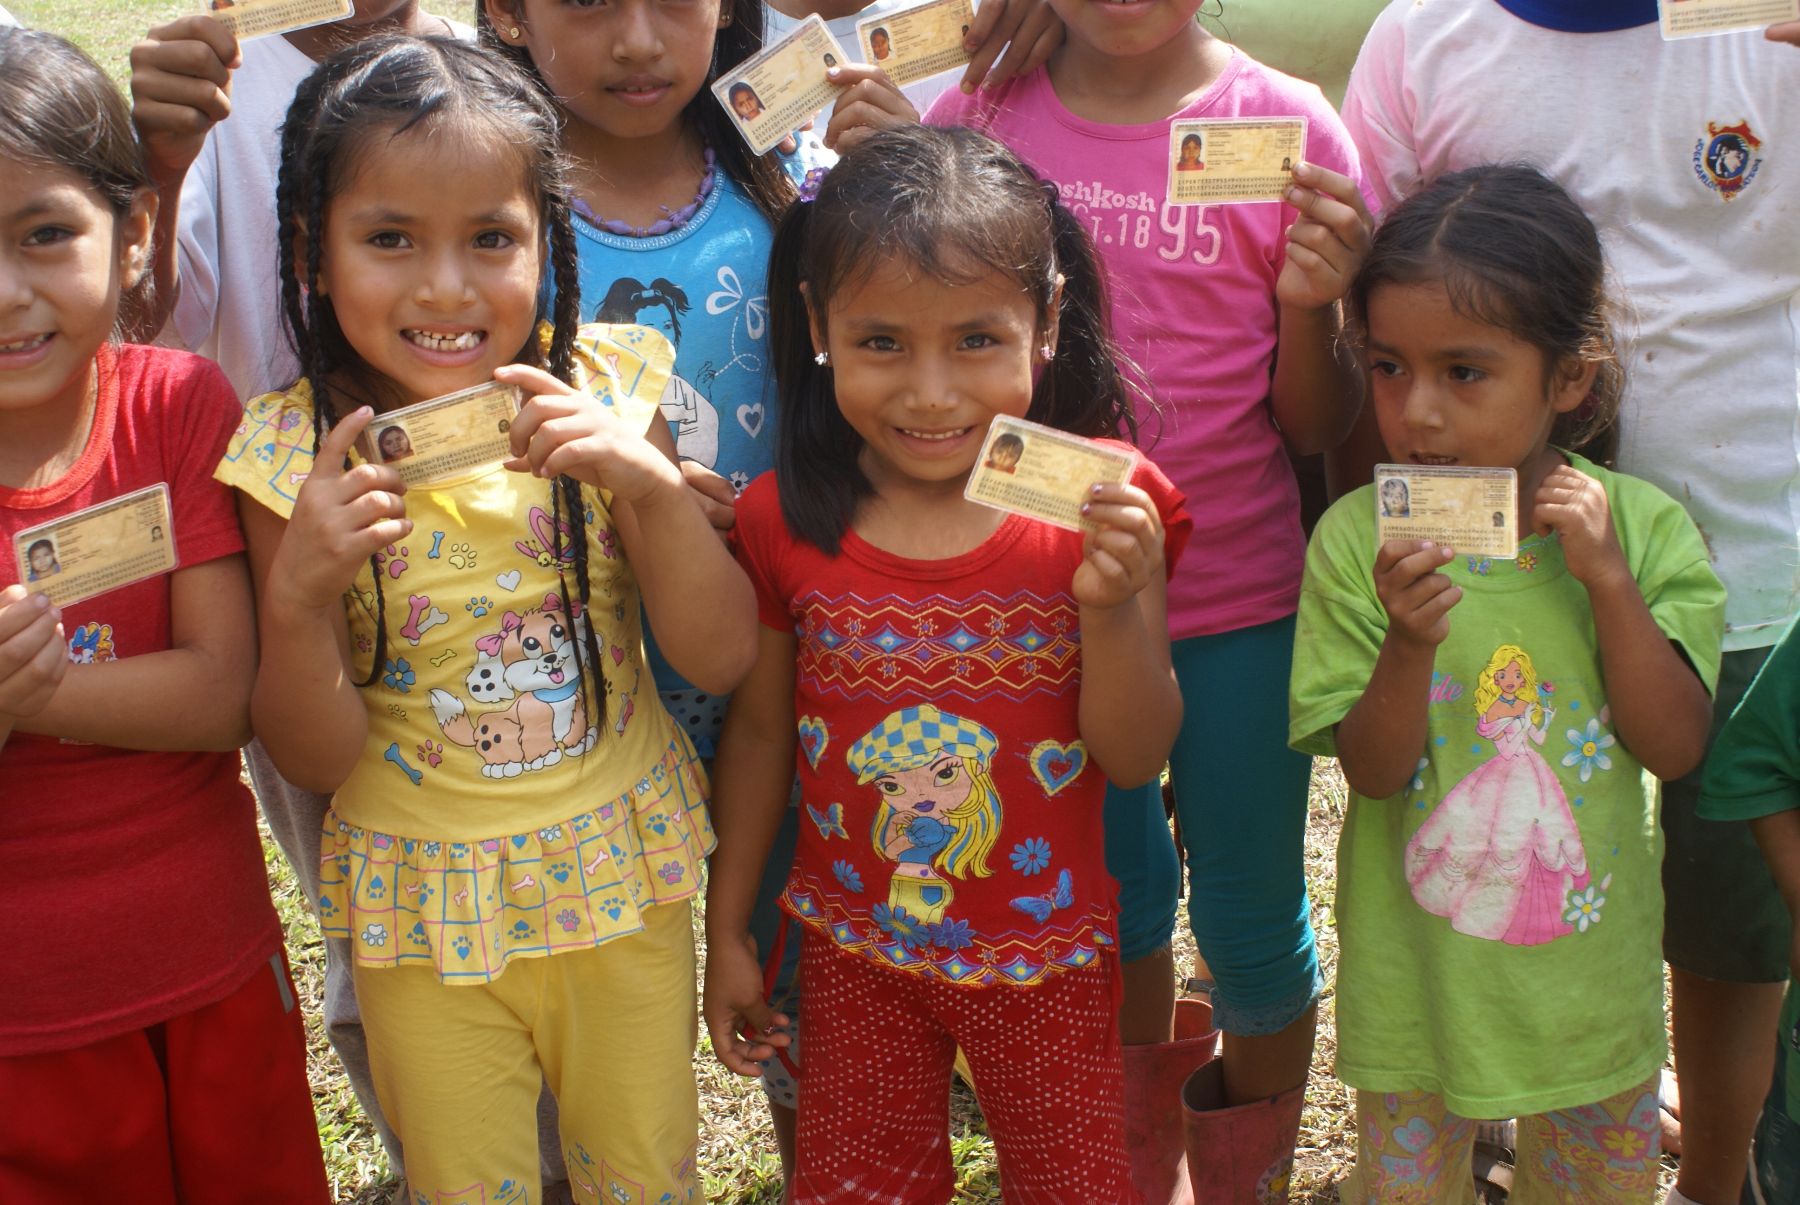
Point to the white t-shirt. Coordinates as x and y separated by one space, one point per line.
7 18
921 93
230 304
1679 151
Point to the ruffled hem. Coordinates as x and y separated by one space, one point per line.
468 908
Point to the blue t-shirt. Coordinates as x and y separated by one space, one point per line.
704 286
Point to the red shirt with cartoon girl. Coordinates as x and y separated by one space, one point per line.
953 817
134 881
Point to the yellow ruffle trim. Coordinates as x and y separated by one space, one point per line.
467 908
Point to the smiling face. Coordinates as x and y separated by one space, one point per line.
926 790
1509 678
1449 389
624 68
432 257
921 367
64 260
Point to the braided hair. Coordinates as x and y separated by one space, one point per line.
378 90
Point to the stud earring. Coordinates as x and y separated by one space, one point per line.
512 31
823 359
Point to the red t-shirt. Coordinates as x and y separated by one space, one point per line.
132 887
953 819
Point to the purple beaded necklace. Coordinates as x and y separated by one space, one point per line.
674 219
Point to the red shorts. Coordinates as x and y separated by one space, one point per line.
875 1083
208 1108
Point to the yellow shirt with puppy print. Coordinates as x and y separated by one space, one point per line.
499 810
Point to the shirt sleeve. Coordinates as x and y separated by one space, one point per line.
1673 572
1171 507
199 412
759 538
625 367
1340 626
1753 768
270 452
1378 112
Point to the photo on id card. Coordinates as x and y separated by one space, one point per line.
248 19
1234 161
919 42
1468 510
1043 473
445 436
769 95
103 547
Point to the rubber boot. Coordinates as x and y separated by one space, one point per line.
1154 1075
1243 1155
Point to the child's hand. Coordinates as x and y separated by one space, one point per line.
1029 31
180 89
867 102
341 518
733 1004
1327 243
563 430
1789 32
1416 596
1119 559
34 653
1574 505
716 496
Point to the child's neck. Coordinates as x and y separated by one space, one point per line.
635 180
41 443
921 520
320 41
1141 88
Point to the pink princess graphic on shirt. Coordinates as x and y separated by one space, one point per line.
1501 854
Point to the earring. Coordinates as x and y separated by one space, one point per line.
512 31
1047 352
823 359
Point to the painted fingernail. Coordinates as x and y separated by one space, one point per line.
1086 508
1097 488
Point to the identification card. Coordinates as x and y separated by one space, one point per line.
113 544
1042 473
445 436
1469 510
1234 162
917 43
1699 18
770 94
248 19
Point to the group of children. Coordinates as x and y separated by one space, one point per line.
510 724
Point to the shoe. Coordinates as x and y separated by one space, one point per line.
1154 1075
1243 1154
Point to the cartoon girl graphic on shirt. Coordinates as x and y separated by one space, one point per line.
1501 853
939 812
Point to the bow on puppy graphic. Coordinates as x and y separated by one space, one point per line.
529 665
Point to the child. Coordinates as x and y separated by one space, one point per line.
1753 773
517 823
1421 103
1498 719
959 684
1231 314
148 1032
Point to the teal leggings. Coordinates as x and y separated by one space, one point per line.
1241 794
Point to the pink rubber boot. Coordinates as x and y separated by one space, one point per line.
1243 1155
1154 1075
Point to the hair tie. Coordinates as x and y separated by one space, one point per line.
809 185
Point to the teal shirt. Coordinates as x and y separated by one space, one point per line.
1500 919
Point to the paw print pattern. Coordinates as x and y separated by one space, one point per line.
432 752
479 605
399 713
392 561
522 931
462 946
461 556
568 919
560 871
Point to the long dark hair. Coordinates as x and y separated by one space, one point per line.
954 205
1513 250
61 111
373 92
760 176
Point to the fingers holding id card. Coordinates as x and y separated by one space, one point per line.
770 94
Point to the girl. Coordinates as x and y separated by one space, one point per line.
1232 312
517 823
959 684
149 1019
1522 888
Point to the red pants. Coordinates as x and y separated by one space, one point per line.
875 1083
208 1108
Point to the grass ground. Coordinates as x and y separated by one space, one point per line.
737 1150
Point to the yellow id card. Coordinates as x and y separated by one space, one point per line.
1234 161
1466 509
917 43
445 436
248 19
1043 473
115 543
770 94
1699 18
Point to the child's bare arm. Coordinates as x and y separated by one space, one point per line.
752 779
193 696
180 89
1380 737
1779 837
1130 702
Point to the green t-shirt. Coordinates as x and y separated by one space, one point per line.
1754 770
1309 40
1500 919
